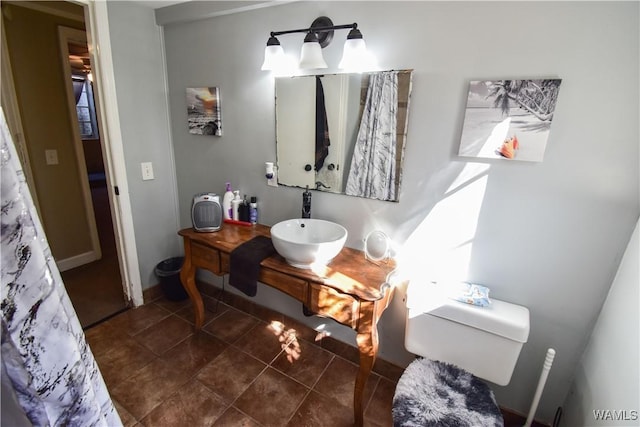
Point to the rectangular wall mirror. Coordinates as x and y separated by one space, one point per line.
343 133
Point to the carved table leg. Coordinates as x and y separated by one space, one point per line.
368 346
187 276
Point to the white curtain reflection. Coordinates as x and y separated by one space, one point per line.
373 166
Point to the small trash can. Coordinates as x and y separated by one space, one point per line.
168 271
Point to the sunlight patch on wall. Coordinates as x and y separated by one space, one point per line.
440 247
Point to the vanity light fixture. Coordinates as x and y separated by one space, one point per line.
311 54
318 36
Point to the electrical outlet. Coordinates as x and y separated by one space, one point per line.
147 171
51 157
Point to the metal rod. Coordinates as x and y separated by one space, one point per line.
315 29
548 361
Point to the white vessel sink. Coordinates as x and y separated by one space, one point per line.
307 242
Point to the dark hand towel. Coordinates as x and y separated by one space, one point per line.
245 263
322 127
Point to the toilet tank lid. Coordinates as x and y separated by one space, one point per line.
500 318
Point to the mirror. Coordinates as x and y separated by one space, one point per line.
376 246
343 133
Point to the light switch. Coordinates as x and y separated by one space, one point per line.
147 171
51 157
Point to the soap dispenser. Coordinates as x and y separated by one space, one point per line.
235 204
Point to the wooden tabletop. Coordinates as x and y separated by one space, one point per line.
349 272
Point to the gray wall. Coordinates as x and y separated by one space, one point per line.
138 62
33 45
545 235
601 381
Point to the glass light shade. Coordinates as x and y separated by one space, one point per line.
355 56
274 58
311 56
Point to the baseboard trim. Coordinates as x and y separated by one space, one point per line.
516 419
76 261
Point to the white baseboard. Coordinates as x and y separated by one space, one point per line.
76 261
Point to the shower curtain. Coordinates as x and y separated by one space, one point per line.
373 165
46 361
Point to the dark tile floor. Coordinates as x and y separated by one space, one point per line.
95 289
240 370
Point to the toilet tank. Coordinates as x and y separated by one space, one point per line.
485 341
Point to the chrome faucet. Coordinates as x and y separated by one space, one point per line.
306 203
320 184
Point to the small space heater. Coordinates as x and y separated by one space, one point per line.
206 212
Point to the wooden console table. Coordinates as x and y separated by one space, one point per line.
350 290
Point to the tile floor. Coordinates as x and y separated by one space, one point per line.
95 289
240 370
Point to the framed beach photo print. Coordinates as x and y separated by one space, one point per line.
204 115
508 119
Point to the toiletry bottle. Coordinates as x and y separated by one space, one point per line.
243 210
253 210
235 204
226 202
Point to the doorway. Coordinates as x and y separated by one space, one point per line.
95 288
91 274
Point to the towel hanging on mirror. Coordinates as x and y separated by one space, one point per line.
322 127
